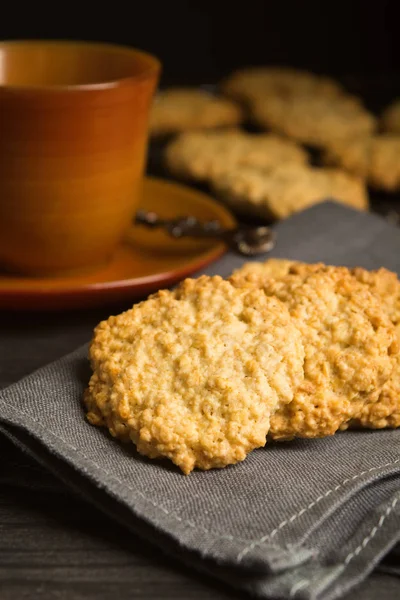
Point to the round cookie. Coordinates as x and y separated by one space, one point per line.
390 119
375 158
181 109
258 82
350 347
315 120
201 156
195 373
287 189
386 411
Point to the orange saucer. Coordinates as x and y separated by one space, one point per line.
146 261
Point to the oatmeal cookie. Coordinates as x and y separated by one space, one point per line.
260 82
318 121
280 192
349 341
385 412
201 156
390 119
181 109
382 282
194 374
375 158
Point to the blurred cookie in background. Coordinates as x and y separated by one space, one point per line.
254 83
375 158
279 192
202 156
390 119
181 109
315 120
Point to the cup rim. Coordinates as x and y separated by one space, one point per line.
152 69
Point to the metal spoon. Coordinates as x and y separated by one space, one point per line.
246 240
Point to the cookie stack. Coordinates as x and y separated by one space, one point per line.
269 175
206 373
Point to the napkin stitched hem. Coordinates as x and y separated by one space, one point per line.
311 505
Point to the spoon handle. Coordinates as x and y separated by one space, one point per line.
245 240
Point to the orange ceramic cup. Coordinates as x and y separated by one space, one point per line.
73 137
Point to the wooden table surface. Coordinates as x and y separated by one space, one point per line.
53 545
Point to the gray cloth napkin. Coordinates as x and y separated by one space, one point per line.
305 519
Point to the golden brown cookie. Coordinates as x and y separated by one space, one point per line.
385 412
195 373
280 192
314 119
258 82
390 119
349 341
382 282
375 158
182 109
202 156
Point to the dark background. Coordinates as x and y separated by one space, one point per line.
198 42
